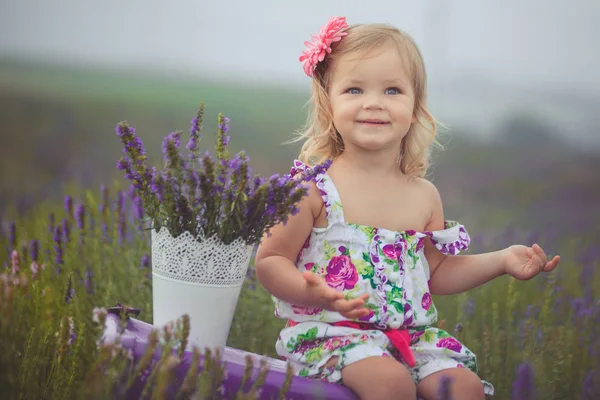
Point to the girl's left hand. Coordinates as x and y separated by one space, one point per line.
524 262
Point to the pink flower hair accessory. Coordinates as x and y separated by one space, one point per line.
321 44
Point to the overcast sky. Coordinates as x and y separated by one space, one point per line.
509 40
486 59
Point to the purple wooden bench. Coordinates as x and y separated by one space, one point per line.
135 337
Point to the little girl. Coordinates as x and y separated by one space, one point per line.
354 270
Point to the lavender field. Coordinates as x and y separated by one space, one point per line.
72 240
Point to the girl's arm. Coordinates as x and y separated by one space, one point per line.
276 255
460 273
276 264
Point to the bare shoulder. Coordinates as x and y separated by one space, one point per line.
427 189
313 198
431 196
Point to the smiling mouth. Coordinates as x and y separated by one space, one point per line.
373 122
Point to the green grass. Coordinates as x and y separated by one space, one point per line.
61 125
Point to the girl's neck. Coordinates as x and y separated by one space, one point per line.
369 164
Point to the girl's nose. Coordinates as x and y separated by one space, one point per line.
372 103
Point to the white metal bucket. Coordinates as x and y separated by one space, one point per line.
201 279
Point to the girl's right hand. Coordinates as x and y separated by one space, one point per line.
330 299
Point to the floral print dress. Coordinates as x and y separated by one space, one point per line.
391 267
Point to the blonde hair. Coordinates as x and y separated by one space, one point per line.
322 141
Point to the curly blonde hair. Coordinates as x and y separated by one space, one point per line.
322 141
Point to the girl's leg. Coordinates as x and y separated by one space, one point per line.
464 385
379 378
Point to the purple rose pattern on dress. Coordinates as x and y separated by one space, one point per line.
426 301
449 343
341 273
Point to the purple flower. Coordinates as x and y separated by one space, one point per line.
524 385
145 261
138 208
66 230
589 387
195 128
135 156
224 126
80 216
69 206
132 191
169 147
458 328
157 185
58 247
70 293
124 164
34 249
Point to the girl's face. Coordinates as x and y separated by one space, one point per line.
372 100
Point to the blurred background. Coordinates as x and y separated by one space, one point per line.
516 82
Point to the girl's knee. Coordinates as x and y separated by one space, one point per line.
379 378
463 384
470 386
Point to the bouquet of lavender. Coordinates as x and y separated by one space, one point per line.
207 196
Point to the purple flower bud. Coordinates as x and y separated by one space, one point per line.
590 390
458 328
80 216
66 230
145 261
124 164
58 248
138 208
34 249
192 145
69 206
524 384
224 126
70 293
132 190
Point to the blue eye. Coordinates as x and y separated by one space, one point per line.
392 90
354 91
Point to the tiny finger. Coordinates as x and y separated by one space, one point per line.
540 253
363 312
552 264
